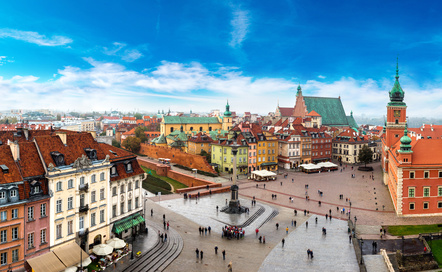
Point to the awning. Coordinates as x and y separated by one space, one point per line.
269 163
70 254
46 263
127 223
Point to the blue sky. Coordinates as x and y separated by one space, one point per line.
193 55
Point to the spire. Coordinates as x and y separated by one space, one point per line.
351 113
299 93
405 141
397 68
227 113
396 94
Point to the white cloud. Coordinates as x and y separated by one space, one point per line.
128 55
131 55
34 37
321 76
113 51
108 85
240 24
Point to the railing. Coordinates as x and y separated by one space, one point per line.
83 208
83 187
387 260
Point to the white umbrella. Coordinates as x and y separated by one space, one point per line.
85 262
116 243
102 249
71 269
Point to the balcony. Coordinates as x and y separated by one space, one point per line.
83 233
83 208
83 187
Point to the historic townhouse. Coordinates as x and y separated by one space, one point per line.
347 144
267 149
78 177
289 149
199 143
223 156
125 193
321 145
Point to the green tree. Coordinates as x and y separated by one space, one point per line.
365 155
58 117
139 116
7 121
207 155
132 143
116 143
139 133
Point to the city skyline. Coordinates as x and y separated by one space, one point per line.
196 55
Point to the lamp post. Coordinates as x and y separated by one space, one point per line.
362 243
403 240
349 212
133 238
354 233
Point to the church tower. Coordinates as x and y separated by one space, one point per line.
396 113
300 109
227 118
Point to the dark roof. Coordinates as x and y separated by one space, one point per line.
30 163
329 108
7 159
190 120
352 122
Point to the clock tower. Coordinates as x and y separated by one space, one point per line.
396 113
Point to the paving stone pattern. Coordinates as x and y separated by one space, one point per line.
332 252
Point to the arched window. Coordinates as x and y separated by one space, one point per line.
397 121
210 128
171 129
191 128
201 128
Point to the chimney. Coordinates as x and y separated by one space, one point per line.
26 132
62 136
15 150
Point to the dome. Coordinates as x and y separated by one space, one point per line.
405 140
227 113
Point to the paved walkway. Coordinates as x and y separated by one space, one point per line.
375 263
332 252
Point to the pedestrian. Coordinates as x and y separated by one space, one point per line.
295 223
197 253
277 226
167 225
264 186
224 255
209 229
385 231
308 253
287 230
311 254
326 216
349 238
256 231
292 222
257 186
281 183
165 237
305 212
205 231
229 267
337 209
162 237
316 220
226 201
151 212
260 239
296 212
329 211
199 230
263 239
306 224
201 254
216 249
216 208
283 241
319 202
164 217
293 180
164 224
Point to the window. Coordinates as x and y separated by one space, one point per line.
70 203
114 211
58 206
4 258
81 223
93 179
58 231
101 193
411 175
122 189
59 186
92 219
70 183
426 191
31 240
70 227
122 208
426 174
136 202
412 206
130 186
15 255
129 205
4 215
82 181
129 167
426 205
102 176
43 210
439 204
3 236
439 191
14 214
101 216
13 193
137 184
43 236
114 191
93 196
14 233
30 213
113 171
411 192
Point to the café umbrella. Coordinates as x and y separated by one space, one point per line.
102 249
85 262
116 243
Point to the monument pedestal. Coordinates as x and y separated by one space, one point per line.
234 204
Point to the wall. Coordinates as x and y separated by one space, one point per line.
177 156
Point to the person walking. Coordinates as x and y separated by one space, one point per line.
201 254
165 237
283 241
308 253
197 253
209 229
164 224
293 180
260 239
349 239
277 226
151 212
257 231
216 208
164 217
306 224
294 223
316 220
224 254
167 225
287 230
263 239
296 212
216 249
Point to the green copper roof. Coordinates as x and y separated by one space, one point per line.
396 94
329 108
405 142
299 91
190 120
160 140
227 113
352 122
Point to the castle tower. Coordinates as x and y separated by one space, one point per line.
227 118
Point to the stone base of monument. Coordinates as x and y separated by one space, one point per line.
234 205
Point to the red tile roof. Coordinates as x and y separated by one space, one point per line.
30 163
200 138
314 113
7 159
286 111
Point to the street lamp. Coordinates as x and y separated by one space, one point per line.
403 240
133 238
354 233
362 243
349 212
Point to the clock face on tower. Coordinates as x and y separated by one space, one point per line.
397 113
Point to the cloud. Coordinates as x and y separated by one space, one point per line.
4 59
321 77
34 37
240 26
128 55
106 85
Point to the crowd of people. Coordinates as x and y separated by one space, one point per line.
232 232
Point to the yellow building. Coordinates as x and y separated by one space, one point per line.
267 151
198 143
196 124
